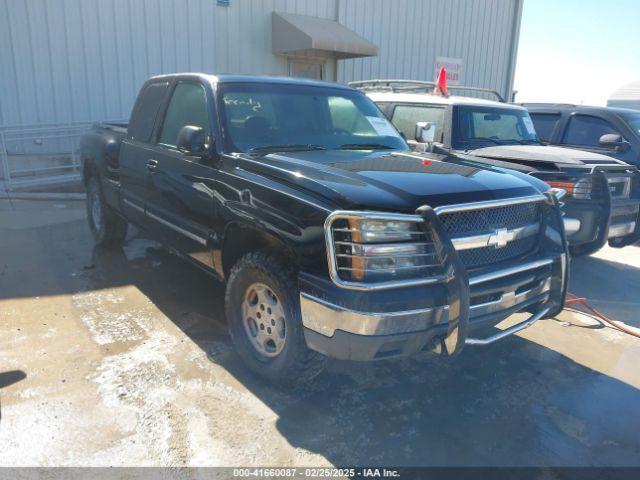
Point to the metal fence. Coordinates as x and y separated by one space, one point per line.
38 155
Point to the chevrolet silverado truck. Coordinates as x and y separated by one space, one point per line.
333 238
602 194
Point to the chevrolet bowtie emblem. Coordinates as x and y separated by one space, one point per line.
501 237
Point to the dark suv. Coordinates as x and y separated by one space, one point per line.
611 131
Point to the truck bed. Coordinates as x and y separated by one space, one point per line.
120 128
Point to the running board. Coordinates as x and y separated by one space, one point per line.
509 331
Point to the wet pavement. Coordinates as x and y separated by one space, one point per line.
122 358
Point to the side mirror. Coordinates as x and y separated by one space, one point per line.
425 132
614 141
192 140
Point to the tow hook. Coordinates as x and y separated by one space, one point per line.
437 346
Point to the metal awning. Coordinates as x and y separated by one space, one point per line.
300 33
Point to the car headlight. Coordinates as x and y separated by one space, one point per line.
376 231
375 248
579 189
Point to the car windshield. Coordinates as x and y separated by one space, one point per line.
478 126
272 117
633 120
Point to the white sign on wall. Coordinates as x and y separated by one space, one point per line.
453 67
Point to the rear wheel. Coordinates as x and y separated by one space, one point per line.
263 312
107 227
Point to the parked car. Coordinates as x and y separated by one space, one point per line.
333 238
611 131
603 194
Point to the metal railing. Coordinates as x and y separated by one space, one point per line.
399 85
35 155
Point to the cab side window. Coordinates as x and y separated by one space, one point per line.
405 118
586 130
188 106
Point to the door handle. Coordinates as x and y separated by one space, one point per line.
152 165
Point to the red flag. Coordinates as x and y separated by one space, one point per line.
442 82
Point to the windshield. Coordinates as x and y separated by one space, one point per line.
633 120
478 127
264 117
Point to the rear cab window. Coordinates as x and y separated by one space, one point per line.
545 124
405 118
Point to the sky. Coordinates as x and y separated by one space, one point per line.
576 51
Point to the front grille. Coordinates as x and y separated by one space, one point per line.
474 222
478 257
487 220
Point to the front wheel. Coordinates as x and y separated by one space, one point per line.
108 229
263 313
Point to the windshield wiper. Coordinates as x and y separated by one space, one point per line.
365 146
527 141
484 138
286 148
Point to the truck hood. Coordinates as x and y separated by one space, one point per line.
391 181
545 155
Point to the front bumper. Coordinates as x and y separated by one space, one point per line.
624 226
376 324
355 329
612 214
591 219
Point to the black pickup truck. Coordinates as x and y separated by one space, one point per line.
333 238
603 194
611 131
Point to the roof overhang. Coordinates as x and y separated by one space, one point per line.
294 34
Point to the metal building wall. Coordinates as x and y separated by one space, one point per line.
410 34
83 60
67 61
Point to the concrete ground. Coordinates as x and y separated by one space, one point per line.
122 358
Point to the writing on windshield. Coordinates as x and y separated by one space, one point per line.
270 117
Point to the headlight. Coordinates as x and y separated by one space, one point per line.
559 193
375 231
374 248
580 189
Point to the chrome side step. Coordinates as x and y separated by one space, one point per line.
509 331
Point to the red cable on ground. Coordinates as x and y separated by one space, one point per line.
571 299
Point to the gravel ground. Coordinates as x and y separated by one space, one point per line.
122 358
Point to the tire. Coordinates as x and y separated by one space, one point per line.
584 249
261 286
107 227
